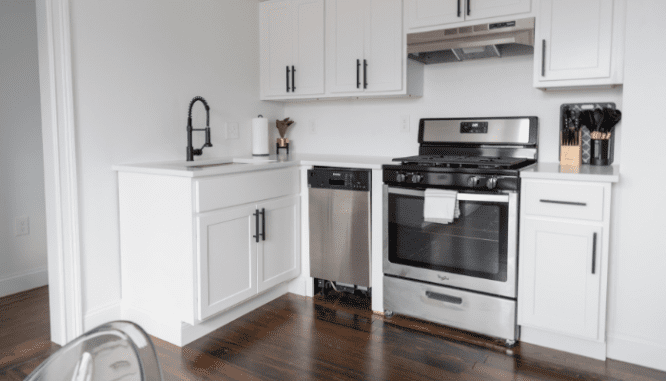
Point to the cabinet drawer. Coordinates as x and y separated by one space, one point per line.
224 191
563 199
453 307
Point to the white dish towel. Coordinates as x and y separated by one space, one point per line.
441 206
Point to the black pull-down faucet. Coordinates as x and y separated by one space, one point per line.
191 152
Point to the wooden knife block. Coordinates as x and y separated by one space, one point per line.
571 155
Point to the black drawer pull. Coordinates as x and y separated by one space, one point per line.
564 202
358 74
594 253
263 224
543 58
443 297
256 226
288 79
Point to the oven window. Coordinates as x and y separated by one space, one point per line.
474 244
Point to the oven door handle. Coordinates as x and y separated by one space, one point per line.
501 198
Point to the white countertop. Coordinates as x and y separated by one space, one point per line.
553 171
235 165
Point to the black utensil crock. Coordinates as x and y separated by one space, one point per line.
600 154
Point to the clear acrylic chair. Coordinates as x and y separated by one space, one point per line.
119 350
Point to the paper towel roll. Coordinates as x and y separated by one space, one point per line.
260 136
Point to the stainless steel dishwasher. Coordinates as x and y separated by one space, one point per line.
339 211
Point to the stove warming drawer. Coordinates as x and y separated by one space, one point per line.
470 311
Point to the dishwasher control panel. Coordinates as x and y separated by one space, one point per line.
339 178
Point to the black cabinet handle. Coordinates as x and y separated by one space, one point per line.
564 202
263 224
543 58
365 74
594 253
459 8
468 7
293 79
256 226
287 78
444 297
358 74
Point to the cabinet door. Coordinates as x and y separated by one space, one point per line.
428 13
277 47
308 63
573 39
384 46
279 253
345 31
481 9
227 256
560 277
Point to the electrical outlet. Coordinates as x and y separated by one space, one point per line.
22 226
313 126
232 130
404 124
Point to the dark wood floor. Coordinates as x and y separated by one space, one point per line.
333 338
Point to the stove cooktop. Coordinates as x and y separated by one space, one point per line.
448 161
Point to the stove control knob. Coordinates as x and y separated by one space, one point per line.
491 183
417 179
473 181
400 177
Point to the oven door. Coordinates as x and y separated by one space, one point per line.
477 251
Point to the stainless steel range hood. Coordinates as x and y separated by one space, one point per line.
503 39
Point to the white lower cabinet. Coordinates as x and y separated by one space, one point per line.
237 261
227 256
560 263
278 254
198 253
563 265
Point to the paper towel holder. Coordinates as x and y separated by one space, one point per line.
260 146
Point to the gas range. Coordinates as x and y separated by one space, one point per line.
454 248
474 154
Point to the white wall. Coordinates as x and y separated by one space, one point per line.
637 300
490 87
136 66
23 258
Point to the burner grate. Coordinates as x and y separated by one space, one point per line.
445 161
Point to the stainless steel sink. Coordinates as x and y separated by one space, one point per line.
193 167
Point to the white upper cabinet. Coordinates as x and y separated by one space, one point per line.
426 14
384 40
579 43
482 9
292 48
346 21
364 45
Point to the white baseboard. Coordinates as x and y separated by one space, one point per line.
587 348
101 315
191 333
23 281
303 286
637 351
166 329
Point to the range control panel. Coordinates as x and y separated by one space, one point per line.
339 178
